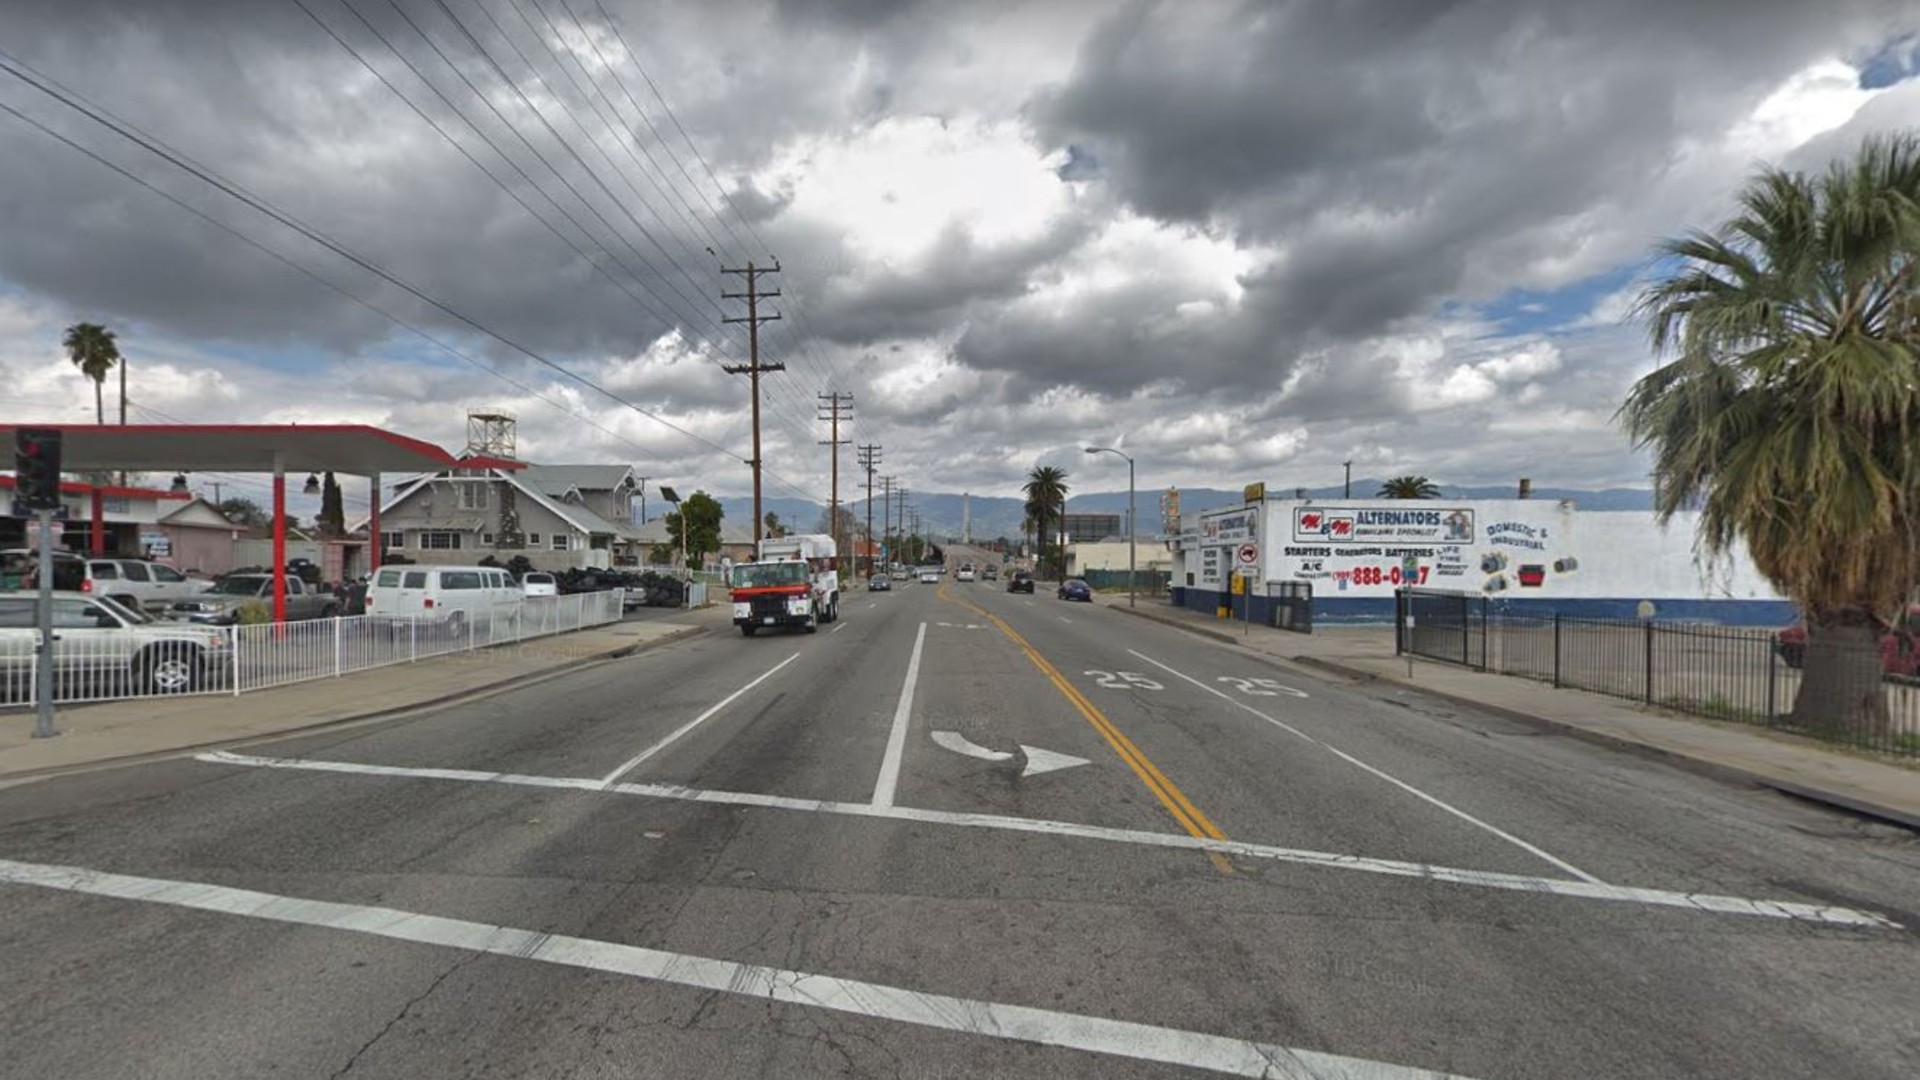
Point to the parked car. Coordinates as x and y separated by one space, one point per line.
450 596
1899 646
539 583
220 604
879 583
136 583
1076 589
69 570
1020 581
98 641
929 575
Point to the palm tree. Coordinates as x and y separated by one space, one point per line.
1046 489
1788 410
93 350
1408 487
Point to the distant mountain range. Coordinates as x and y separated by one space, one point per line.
994 516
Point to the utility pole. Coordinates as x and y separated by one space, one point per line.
886 517
839 407
869 457
900 515
1349 479
753 368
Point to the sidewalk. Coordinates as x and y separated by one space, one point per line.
124 731
1783 762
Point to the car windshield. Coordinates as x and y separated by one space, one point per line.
759 575
129 612
238 586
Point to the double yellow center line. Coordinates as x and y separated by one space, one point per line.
1188 815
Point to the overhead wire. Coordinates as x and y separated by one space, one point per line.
17 69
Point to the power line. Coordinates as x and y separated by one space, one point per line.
14 67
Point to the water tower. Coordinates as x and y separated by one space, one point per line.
491 433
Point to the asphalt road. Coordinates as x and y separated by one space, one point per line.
959 833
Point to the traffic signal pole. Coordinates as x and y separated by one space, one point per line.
43 657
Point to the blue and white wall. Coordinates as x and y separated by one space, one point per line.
1525 553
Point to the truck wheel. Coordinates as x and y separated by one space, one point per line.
170 670
747 631
812 625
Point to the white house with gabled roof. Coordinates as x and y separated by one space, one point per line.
559 516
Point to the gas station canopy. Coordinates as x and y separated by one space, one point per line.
355 449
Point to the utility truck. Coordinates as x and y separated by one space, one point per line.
794 582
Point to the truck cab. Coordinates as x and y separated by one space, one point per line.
794 582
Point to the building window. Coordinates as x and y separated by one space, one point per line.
472 496
439 540
559 541
393 541
533 540
486 539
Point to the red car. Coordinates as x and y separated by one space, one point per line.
1899 652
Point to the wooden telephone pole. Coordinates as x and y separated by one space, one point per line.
869 458
839 407
753 368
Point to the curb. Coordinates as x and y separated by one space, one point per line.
1177 624
394 713
1704 766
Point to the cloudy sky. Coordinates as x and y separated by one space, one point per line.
1242 241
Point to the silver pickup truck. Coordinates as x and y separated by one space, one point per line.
220 605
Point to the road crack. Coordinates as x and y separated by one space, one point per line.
404 1010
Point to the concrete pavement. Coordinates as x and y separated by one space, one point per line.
729 856
1839 777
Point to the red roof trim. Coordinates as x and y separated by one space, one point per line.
69 487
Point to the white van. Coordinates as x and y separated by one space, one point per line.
449 595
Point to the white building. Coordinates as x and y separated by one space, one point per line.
1545 554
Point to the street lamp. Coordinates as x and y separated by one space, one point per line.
1130 526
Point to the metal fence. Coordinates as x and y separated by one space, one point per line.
1859 697
177 659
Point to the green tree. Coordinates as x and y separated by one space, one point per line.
775 530
1408 487
333 512
93 349
244 511
1046 491
702 513
1787 410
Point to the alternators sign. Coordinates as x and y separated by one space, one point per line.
1378 525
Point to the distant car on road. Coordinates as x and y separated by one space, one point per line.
879 583
966 573
1076 589
1020 581
989 572
929 575
540 583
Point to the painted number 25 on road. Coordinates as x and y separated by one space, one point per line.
1124 680
1261 687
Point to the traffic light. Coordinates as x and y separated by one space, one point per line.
36 467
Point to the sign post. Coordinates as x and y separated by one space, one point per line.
43 654
1246 559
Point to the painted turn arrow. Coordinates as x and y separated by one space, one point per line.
1038 760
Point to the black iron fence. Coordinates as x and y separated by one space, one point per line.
1865 696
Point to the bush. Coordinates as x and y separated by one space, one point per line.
253 613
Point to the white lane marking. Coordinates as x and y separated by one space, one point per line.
1020 1023
872 604
1703 902
636 760
960 744
1046 761
889 782
837 629
1395 781
1063 618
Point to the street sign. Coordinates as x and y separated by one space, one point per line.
22 509
1247 554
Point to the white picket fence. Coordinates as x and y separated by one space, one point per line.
236 659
